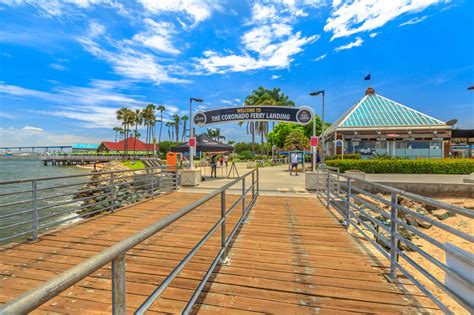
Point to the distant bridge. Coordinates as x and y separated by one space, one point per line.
45 147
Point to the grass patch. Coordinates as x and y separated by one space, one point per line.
134 165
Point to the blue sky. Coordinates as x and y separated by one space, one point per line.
67 66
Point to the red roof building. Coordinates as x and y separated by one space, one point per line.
131 144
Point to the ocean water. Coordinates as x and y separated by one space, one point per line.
55 204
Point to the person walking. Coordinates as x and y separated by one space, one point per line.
214 166
294 163
226 160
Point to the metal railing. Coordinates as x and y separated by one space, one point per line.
30 206
382 215
116 255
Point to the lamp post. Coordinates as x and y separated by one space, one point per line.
322 127
191 128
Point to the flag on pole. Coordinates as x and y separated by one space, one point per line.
367 77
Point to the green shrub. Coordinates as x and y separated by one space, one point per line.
395 166
246 155
348 156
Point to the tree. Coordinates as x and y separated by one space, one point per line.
149 119
278 135
296 139
184 119
138 120
125 115
264 97
161 109
168 125
177 122
117 130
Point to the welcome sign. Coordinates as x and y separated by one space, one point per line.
300 115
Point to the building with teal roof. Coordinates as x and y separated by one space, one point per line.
377 125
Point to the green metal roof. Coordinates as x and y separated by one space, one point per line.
377 111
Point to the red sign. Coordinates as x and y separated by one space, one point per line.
314 141
192 142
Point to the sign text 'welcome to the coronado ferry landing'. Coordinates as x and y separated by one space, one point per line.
300 115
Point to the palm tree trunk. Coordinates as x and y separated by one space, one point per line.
161 126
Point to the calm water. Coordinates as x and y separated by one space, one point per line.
51 207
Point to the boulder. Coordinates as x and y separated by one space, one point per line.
441 214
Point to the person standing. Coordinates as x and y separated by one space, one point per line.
214 166
226 160
294 163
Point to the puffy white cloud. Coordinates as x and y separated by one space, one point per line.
158 36
59 7
33 128
366 15
320 57
414 20
270 43
372 35
125 59
57 66
358 42
275 77
199 10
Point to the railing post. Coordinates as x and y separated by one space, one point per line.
253 186
243 196
317 182
328 182
348 203
338 184
152 183
112 191
118 285
223 236
34 202
393 238
258 185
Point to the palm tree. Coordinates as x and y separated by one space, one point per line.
149 120
264 97
125 115
184 119
161 108
177 122
137 120
122 133
117 130
168 125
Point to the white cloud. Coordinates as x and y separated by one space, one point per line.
320 57
27 137
274 77
372 35
125 59
32 128
366 15
199 10
57 66
6 115
94 106
53 8
414 20
157 36
227 102
358 42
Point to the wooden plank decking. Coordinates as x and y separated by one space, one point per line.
291 257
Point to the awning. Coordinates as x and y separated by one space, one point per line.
204 144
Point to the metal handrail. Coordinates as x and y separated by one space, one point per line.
48 198
339 191
116 254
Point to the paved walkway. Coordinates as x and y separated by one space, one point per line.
275 180
291 257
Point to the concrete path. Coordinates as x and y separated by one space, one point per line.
273 180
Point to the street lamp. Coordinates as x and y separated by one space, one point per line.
191 129
322 126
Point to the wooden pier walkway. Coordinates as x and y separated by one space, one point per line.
292 257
